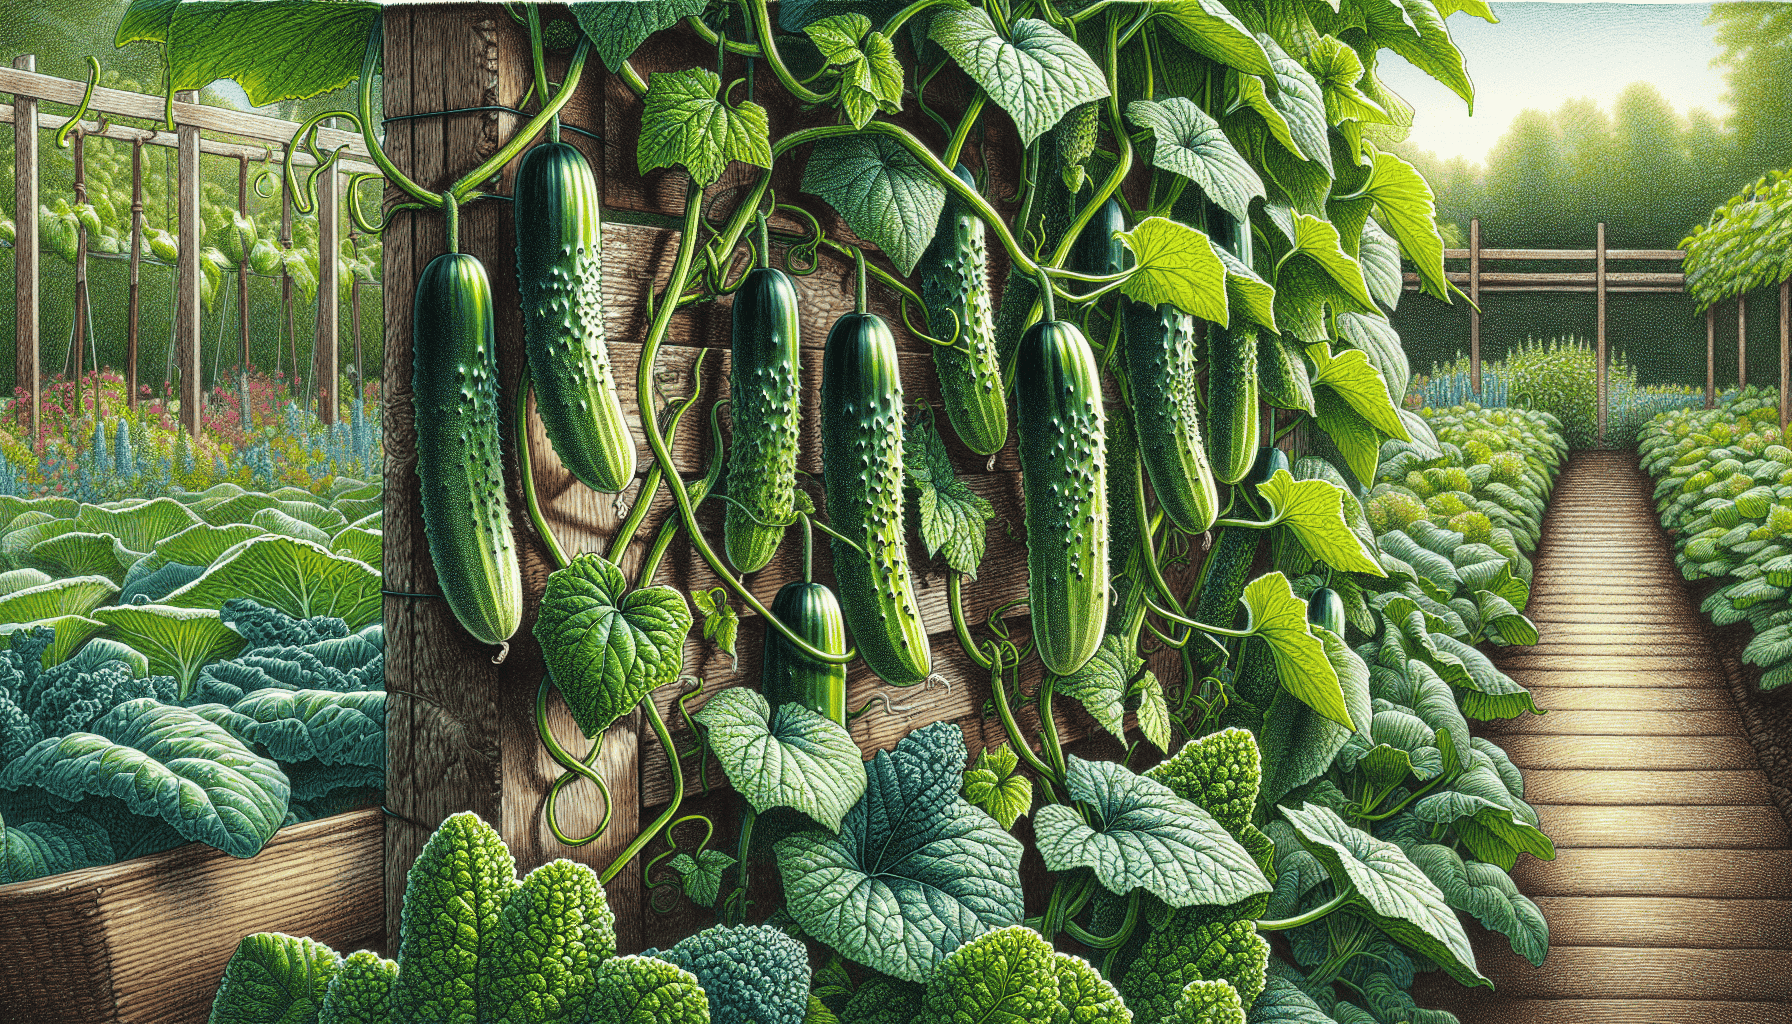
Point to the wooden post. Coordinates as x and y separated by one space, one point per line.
28 371
77 346
1599 287
1742 341
1710 356
1474 310
188 307
136 300
324 350
1785 352
242 301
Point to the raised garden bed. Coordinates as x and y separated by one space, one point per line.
145 940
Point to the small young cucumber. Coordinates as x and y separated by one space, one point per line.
1232 413
559 273
1326 608
765 395
861 463
1097 250
1063 465
788 676
1161 371
955 287
460 467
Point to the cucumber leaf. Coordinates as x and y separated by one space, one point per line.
1190 143
702 876
1178 265
607 647
1488 828
1410 212
617 27
1350 376
954 520
1280 619
793 758
997 786
721 623
1488 894
870 74
1314 511
1209 29
685 122
887 195
915 872
1388 889
1100 684
1144 836
1037 74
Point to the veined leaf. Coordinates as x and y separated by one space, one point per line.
1246 292
870 75
888 197
1209 29
1190 143
1100 685
954 519
1378 253
721 623
1000 977
276 49
1318 241
1418 34
275 977
1178 265
684 122
794 758
1314 511
297 577
702 876
1410 212
997 786
178 641
1349 375
1145 836
1280 618
1037 74
1486 893
607 647
617 27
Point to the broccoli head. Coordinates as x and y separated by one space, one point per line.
1208 1002
1394 510
1474 526
752 974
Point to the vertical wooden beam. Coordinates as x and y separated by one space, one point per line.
187 307
242 301
1710 356
324 350
28 370
1785 352
1599 286
133 327
1474 310
1742 341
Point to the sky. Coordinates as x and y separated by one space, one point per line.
1543 53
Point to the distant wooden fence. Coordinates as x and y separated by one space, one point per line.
29 89
1602 282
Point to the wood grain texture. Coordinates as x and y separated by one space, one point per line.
1603 871
1628 698
1606 787
1560 722
144 941
1666 921
1574 972
1690 753
1658 827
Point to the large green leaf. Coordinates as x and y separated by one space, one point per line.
318 725
1399 746
274 978
84 554
1410 212
1190 143
1359 442
1488 827
203 543
685 122
1100 685
449 926
14 580
1378 253
1209 29
1416 687
887 195
361 545
33 849
1317 241
606 646
617 27
1314 511
275 49
870 74
164 762
1178 265
1414 30
1001 977
1486 893
1283 1002
274 520
141 526
1280 618
915 872
178 641
794 758
1246 292
1141 835
1349 375
72 631
297 577
76 595
1037 74
997 786
1388 890
953 519
647 990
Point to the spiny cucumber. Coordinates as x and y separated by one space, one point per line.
765 395
955 287
1232 423
1162 372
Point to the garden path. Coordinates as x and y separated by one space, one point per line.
1670 898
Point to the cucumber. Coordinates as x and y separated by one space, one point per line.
861 463
955 287
1063 468
765 396
1161 373
1096 249
787 676
460 465
559 272
1326 608
1232 416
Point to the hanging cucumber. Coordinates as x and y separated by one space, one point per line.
1064 474
1326 608
955 287
1161 371
1232 415
861 463
460 468
765 393
559 272
789 677
1234 552
1097 250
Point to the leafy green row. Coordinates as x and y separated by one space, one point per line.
1724 490
1744 243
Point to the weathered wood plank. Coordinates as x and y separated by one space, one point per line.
1666 922
1639 662
1602 786
1618 1011
1622 723
1564 675
1657 827
1629 698
1703 753
1721 874
1578 972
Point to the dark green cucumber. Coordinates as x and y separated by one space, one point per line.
1233 554
1096 249
460 465
1063 466
765 397
1232 414
559 273
1326 608
955 287
1047 219
1161 371
861 462
788 676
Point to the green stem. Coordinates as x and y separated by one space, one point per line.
651 484
530 500
1307 918
1048 732
808 551
1045 294
901 17
1401 806
765 242
759 12
647 834
955 601
451 220
1116 940
709 35
632 78
533 17
464 188
1016 741
575 768
744 879
369 61
956 146
861 293
656 336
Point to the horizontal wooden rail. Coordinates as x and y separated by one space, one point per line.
1632 283
149 136
51 89
1568 254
